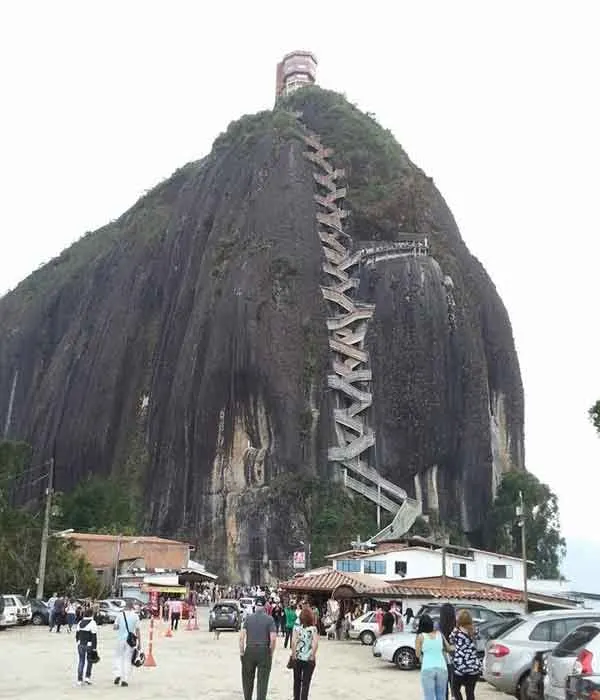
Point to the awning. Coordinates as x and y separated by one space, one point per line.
147 587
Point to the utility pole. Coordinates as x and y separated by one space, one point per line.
521 514
45 533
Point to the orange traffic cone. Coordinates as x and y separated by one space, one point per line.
169 632
150 662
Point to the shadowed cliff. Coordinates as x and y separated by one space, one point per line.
185 344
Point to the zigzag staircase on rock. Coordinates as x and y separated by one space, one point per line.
347 322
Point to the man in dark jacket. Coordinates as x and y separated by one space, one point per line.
59 613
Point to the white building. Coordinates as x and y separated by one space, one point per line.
417 558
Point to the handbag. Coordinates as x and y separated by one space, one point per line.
291 662
131 638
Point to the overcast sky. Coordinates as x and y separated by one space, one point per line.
498 102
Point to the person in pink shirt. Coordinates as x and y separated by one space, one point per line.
176 608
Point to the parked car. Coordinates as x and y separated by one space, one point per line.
226 614
40 613
561 659
479 613
109 610
8 618
364 628
583 682
491 630
509 657
247 604
397 648
24 613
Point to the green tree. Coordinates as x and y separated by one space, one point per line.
98 505
545 545
21 533
594 414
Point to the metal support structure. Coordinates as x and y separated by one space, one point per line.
45 533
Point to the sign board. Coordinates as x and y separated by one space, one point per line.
299 560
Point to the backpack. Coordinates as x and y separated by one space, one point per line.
131 638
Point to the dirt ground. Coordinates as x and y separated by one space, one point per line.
38 665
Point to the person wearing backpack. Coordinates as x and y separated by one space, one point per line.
127 625
86 637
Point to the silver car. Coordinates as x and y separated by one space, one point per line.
560 661
508 658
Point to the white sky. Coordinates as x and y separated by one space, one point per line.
497 101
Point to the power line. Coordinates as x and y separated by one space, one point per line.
17 476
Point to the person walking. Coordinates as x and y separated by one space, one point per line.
176 608
86 638
305 643
257 645
465 661
70 612
50 604
59 613
127 625
290 621
430 646
446 626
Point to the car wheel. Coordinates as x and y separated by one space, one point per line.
367 638
406 659
523 688
37 619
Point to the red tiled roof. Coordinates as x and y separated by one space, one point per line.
328 581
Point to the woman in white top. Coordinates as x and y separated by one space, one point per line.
70 613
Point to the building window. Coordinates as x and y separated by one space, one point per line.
400 568
350 566
376 566
459 570
499 571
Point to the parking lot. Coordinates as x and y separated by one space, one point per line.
38 665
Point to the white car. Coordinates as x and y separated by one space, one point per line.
364 628
397 648
8 617
24 612
246 604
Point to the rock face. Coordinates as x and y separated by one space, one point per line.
186 343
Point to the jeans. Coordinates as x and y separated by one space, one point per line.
288 636
82 652
469 682
435 683
255 659
303 671
175 620
122 660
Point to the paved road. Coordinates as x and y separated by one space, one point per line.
38 665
